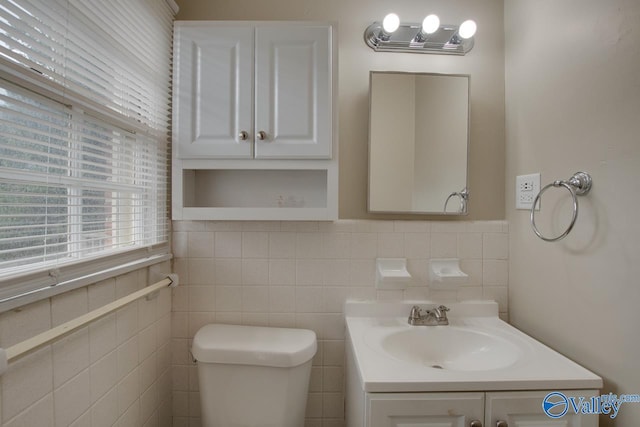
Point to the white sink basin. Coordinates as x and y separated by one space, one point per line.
476 352
447 347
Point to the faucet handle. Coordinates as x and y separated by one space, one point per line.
415 313
441 315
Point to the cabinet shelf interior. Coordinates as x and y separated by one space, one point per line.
255 188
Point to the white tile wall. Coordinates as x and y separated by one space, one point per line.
298 274
114 372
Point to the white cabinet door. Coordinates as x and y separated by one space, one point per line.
236 86
293 92
524 409
424 409
213 97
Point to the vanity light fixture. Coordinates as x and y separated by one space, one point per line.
429 37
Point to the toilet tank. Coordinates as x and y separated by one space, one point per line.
253 376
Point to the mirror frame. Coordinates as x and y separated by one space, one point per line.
466 187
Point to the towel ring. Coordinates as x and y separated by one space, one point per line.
578 185
464 197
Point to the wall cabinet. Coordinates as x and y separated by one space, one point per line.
245 91
475 409
253 115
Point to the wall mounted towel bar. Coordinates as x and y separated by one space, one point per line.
18 350
578 185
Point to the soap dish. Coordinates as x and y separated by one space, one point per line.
445 274
392 273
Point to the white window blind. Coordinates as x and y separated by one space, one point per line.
84 115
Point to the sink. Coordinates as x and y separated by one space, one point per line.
477 351
446 347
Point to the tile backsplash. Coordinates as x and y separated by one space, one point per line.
298 274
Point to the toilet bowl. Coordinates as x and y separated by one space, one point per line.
252 376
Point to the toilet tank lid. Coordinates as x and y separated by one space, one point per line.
253 345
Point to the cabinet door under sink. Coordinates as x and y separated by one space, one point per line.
524 409
424 409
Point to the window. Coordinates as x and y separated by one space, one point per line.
73 185
84 111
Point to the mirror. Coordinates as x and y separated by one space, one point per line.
418 143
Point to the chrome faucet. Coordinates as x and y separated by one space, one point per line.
433 317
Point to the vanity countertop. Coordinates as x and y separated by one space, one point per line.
392 356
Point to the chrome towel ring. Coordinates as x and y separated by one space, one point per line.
579 184
464 197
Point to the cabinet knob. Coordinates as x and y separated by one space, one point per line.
243 135
502 423
475 423
262 135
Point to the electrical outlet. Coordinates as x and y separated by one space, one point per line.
527 188
526 185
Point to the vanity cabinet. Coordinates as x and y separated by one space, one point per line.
252 91
478 371
474 409
253 121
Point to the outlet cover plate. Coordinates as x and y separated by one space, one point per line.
527 188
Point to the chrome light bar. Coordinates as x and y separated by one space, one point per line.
410 38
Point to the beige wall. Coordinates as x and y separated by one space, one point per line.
573 103
114 371
484 63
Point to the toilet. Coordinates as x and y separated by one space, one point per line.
252 376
